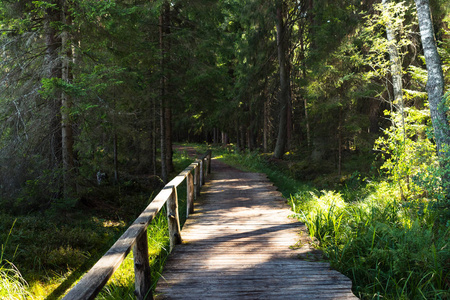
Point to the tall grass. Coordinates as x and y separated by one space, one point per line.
121 285
385 248
12 284
57 247
391 249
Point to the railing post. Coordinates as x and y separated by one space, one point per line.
202 172
190 193
197 180
209 161
142 283
174 219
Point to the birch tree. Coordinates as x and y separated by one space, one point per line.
435 86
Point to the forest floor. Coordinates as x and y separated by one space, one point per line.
52 248
388 247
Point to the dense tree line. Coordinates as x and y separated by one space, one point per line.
92 86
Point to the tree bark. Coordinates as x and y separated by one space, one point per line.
66 105
396 66
435 83
154 137
164 172
280 146
167 116
435 89
394 57
168 135
266 126
53 44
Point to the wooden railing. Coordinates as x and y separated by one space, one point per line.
136 236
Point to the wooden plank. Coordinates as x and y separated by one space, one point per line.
202 172
142 274
173 219
240 244
197 180
94 280
91 283
190 194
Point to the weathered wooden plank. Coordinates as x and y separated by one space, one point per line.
317 295
177 180
94 280
142 274
237 246
197 180
91 284
173 219
253 286
190 194
202 172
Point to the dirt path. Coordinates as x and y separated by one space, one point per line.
191 151
241 244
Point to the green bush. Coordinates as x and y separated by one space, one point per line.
385 249
390 248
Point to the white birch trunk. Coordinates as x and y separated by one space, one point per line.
435 83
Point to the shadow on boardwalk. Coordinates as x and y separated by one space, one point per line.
240 244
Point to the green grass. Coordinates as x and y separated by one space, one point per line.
391 249
53 248
12 284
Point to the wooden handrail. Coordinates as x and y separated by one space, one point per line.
136 236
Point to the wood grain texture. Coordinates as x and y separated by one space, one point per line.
142 273
241 244
94 280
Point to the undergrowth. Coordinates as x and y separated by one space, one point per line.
12 284
388 247
53 248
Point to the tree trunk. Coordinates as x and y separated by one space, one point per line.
340 143
168 135
66 105
266 126
396 66
303 71
53 44
280 146
308 129
154 137
435 87
165 43
116 153
394 57
162 130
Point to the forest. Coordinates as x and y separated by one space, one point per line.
344 104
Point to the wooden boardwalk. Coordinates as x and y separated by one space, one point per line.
240 244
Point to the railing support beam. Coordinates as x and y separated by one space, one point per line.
143 283
197 180
202 172
173 219
209 161
135 237
190 194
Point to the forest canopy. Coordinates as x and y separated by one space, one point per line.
330 91
109 85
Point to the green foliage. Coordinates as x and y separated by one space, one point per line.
409 161
394 16
54 247
389 248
